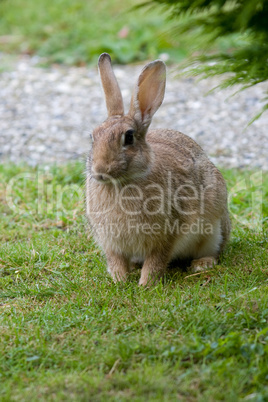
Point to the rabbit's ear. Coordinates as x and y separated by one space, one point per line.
149 92
113 96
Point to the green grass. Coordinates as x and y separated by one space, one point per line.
69 333
77 31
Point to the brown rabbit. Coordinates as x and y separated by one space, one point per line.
152 196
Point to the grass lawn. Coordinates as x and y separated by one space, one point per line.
69 333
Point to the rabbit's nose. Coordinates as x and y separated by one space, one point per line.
99 177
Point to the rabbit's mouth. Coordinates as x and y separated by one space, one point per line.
103 178
116 175
115 180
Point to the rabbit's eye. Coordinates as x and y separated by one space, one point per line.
129 137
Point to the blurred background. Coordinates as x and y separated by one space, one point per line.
77 31
220 35
51 97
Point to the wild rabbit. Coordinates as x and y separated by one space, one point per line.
152 196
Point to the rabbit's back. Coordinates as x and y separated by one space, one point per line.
186 162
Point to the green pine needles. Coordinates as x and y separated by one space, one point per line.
240 30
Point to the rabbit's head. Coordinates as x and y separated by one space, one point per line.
120 151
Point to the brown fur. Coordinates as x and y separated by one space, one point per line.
136 193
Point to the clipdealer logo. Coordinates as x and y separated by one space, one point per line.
50 198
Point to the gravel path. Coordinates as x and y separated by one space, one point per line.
47 114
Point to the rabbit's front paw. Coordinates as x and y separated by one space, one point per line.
118 266
148 280
202 264
119 276
153 269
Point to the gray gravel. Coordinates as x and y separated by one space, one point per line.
47 114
